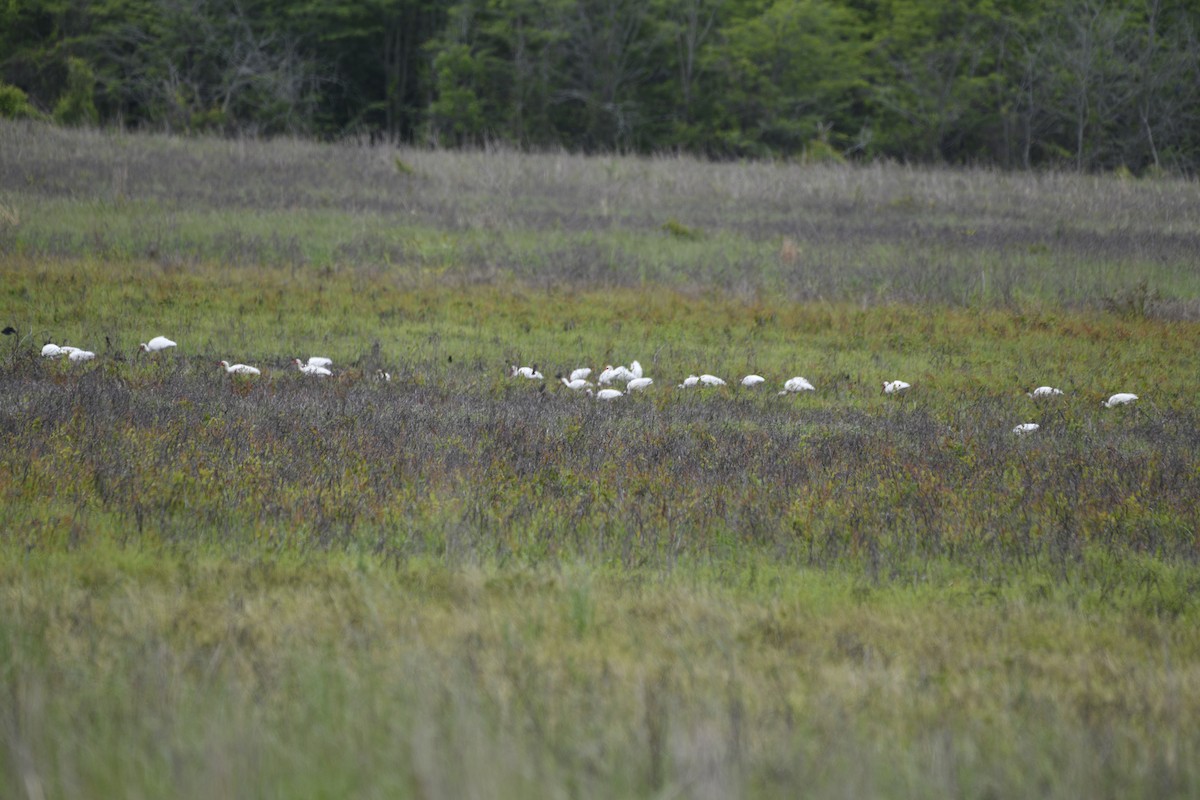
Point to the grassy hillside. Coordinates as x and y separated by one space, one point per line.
457 583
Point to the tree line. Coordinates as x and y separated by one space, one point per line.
1086 84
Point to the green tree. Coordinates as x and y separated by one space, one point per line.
457 114
14 104
688 29
375 50
791 75
77 106
939 91
499 63
612 61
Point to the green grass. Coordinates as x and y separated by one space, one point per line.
459 584
153 672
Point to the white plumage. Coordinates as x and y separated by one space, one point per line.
1043 392
611 373
312 369
608 394
526 372
319 361
689 382
711 380
239 369
575 384
797 384
581 374
637 384
156 344
51 351
80 355
1026 428
1119 399
753 380
895 387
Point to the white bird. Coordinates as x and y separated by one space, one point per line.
607 394
380 375
1044 391
156 344
637 384
239 369
67 350
80 355
312 369
635 369
753 380
51 351
1119 399
689 382
575 384
319 361
526 372
581 374
611 373
895 387
711 380
1026 427
797 384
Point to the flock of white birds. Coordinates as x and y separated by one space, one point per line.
316 365
632 377
635 381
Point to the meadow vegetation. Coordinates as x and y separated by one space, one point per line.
457 584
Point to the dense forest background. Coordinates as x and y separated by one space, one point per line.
1085 84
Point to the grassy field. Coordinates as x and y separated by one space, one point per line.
459 584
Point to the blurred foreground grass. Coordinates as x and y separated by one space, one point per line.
139 672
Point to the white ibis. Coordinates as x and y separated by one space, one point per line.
797 384
156 344
312 369
1119 399
1026 428
51 351
526 372
1042 392
607 394
711 380
895 387
575 384
637 384
239 369
581 374
753 380
319 361
80 355
635 369
689 382
611 373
